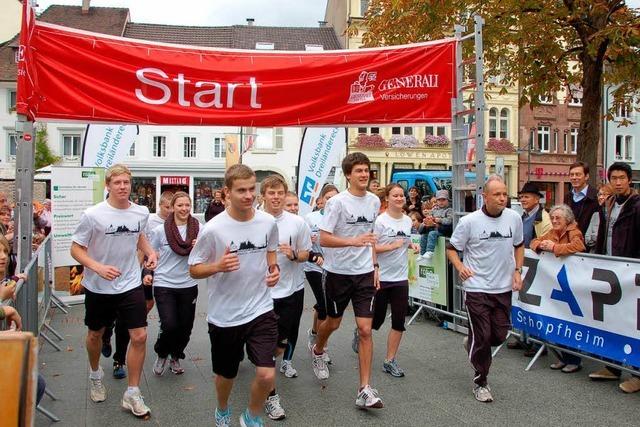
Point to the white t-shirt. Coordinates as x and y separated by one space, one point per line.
346 215
487 245
154 221
394 265
111 238
173 269
293 231
237 297
313 220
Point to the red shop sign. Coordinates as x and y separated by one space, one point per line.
174 180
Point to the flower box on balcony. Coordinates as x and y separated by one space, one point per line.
371 141
404 141
436 141
500 145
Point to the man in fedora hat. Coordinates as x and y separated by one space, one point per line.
535 220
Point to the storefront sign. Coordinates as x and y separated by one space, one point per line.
584 303
120 80
73 190
174 180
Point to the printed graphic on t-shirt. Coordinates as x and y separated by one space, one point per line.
122 229
247 246
361 220
495 235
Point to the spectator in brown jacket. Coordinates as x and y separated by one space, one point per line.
563 239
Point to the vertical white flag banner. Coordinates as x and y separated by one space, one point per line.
106 145
320 150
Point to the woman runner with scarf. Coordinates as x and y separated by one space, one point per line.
174 290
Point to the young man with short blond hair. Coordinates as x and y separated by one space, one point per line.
106 243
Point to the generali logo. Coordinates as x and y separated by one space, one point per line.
362 89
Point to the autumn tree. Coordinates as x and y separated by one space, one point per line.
543 45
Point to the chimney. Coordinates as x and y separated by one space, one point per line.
85 6
322 24
250 22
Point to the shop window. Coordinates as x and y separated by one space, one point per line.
143 192
204 189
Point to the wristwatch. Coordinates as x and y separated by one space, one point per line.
376 265
272 268
295 256
519 270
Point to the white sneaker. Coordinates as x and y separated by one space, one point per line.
320 368
325 356
482 394
97 391
160 365
175 367
134 402
368 398
273 408
287 369
427 256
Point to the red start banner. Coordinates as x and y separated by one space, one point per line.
174 180
67 74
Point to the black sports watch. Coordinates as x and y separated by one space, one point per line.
376 265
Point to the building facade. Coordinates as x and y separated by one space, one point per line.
549 135
622 135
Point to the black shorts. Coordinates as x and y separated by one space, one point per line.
148 292
101 310
395 294
227 344
315 282
288 309
342 288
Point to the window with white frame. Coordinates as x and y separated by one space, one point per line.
71 145
623 111
132 150
504 123
278 138
554 148
493 123
189 147
159 146
406 130
369 131
544 134
545 99
624 147
574 94
574 141
565 143
434 130
263 138
12 138
219 148
11 99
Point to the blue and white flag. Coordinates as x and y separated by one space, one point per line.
106 145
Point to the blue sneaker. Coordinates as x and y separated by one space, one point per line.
246 420
223 418
106 348
119 372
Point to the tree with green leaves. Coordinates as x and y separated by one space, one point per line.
542 45
43 155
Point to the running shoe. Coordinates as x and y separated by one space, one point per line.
246 420
391 367
223 418
134 402
368 398
325 357
320 368
273 408
106 348
97 391
482 393
355 341
119 372
160 365
287 369
175 367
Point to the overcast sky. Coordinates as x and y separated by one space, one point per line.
291 13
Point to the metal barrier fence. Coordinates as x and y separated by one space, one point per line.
34 299
457 320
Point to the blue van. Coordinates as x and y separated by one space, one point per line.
428 181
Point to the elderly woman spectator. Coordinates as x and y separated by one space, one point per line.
564 238
591 236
